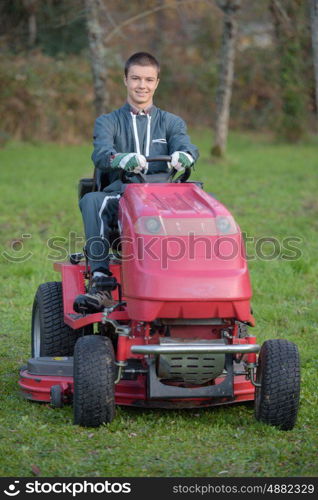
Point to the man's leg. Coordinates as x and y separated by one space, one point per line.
100 212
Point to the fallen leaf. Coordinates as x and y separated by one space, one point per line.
36 470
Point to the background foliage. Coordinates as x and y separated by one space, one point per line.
45 83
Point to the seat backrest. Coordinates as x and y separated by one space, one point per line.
101 179
95 183
86 185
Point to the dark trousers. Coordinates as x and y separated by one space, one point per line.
100 214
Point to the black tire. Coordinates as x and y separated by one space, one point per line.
278 372
50 336
56 396
94 376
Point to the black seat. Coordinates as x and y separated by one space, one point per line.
96 183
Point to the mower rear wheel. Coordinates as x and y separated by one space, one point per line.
50 336
94 376
278 373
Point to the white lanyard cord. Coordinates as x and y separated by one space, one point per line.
135 132
148 135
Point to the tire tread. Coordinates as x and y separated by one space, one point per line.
277 400
57 338
94 375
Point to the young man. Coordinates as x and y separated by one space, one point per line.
122 140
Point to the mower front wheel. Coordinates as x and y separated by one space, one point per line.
94 376
278 376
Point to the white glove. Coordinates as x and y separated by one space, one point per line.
132 162
180 160
142 166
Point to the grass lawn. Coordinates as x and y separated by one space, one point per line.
271 190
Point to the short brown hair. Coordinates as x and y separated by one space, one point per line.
142 59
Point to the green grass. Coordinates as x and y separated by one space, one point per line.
271 190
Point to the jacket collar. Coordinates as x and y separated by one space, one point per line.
132 109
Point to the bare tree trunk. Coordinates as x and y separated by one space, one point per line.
314 37
157 42
31 6
98 53
32 30
286 15
226 73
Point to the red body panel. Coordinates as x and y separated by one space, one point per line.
181 276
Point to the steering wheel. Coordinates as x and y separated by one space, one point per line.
183 177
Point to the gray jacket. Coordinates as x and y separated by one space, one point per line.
155 133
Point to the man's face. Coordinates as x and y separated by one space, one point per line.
141 83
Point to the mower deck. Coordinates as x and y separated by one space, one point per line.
40 374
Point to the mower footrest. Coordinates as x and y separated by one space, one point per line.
60 366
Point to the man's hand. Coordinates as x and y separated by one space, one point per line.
180 160
132 162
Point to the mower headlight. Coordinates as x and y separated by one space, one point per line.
225 224
153 225
150 225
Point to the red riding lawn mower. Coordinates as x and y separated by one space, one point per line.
177 335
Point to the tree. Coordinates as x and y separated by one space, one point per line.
31 8
314 38
95 11
226 73
287 17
